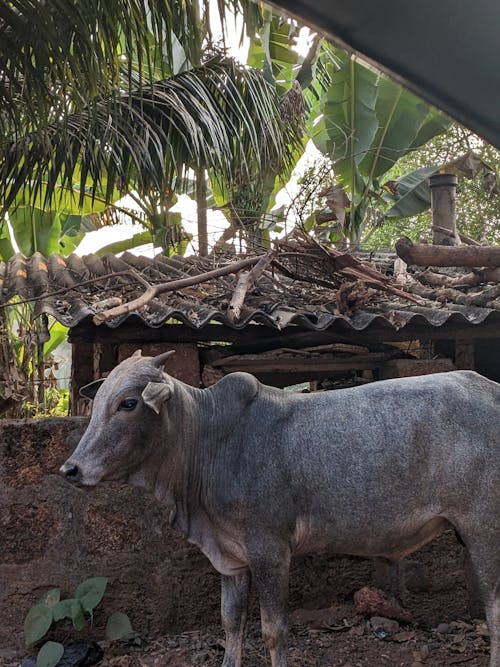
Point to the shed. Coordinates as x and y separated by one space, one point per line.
313 315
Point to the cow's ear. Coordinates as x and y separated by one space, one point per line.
156 393
90 390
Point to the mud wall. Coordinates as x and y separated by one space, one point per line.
54 535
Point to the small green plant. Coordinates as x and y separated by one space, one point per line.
79 609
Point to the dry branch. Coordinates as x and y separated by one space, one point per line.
462 237
463 280
246 281
440 255
373 278
160 288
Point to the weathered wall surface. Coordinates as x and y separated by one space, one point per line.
54 535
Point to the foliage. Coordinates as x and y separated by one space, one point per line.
79 609
28 386
478 207
159 98
248 201
369 123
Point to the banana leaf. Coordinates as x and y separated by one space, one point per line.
42 231
413 193
400 116
126 244
349 123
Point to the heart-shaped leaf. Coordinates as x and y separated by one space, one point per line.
118 626
38 620
51 598
63 609
50 654
90 592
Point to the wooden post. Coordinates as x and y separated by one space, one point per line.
444 215
82 372
464 355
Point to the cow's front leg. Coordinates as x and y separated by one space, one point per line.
270 569
234 606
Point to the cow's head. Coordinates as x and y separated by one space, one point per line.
125 418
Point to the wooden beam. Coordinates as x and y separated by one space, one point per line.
256 337
430 255
295 363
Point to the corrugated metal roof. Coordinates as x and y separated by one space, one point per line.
74 289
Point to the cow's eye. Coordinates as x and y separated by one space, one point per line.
128 404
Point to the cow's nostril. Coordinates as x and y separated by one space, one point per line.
70 471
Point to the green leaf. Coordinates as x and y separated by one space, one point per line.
118 626
58 334
126 244
6 247
271 51
436 123
35 230
63 609
90 592
349 123
50 654
414 194
51 597
400 116
38 620
77 616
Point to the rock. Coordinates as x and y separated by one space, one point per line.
382 627
443 629
76 654
370 601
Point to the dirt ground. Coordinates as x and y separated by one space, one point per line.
330 630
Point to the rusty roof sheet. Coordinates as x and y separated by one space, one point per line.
74 289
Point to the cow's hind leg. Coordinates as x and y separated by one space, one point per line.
485 559
270 568
234 606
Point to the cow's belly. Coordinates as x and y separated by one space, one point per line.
392 541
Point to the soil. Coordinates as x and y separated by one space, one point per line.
332 630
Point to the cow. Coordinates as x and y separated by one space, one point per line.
252 474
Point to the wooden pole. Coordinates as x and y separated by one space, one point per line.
440 255
443 205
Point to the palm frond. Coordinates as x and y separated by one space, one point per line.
220 116
57 55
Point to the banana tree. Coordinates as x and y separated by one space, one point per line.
368 123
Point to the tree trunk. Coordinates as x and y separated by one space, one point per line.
201 202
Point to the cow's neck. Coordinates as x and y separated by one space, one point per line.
172 471
188 457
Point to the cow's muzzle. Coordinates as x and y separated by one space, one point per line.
71 472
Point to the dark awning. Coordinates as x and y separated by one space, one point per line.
447 52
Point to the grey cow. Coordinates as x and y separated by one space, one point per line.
252 474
